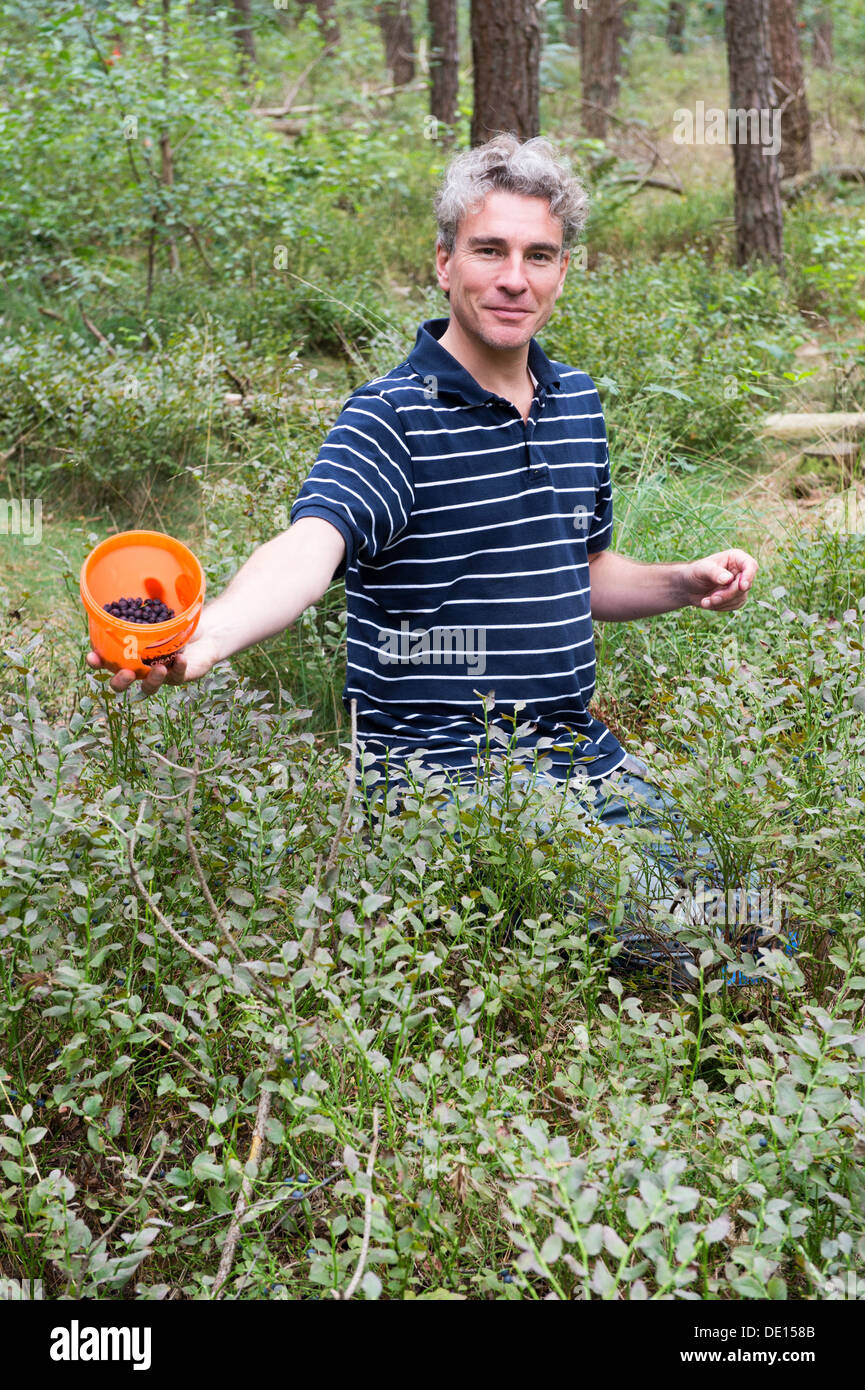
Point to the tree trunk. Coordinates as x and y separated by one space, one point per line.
243 36
166 155
394 20
601 30
327 20
571 23
789 83
823 53
675 31
444 60
759 217
506 50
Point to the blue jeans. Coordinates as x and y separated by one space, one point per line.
666 882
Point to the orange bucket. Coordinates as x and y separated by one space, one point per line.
141 564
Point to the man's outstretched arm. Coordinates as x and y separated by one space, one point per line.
281 579
624 589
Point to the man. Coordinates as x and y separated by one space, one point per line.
466 498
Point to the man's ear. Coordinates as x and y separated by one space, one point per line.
442 259
566 260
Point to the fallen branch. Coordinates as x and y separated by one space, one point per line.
367 1213
288 99
814 424
316 107
647 182
255 1149
343 821
797 184
349 795
132 1205
203 884
91 327
657 157
131 840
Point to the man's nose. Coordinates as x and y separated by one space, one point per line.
512 274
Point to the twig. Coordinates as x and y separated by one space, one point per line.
308 110
7 453
96 332
343 821
199 874
126 1210
160 916
194 238
305 1193
288 99
367 1214
255 1149
630 125
646 182
50 313
208 1080
349 795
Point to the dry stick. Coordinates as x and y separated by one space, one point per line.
288 99
311 110
208 1080
196 864
367 1214
629 125
255 1149
349 795
96 333
159 915
649 183
343 821
144 1186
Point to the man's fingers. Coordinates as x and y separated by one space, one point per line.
122 681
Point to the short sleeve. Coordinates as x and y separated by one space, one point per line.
361 481
601 526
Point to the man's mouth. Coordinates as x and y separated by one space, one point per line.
508 313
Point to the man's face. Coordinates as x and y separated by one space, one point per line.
506 270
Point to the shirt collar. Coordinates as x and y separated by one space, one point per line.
429 359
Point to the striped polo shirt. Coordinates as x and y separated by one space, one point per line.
467 534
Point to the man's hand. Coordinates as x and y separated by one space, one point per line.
271 590
195 660
719 582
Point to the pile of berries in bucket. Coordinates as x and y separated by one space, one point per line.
147 610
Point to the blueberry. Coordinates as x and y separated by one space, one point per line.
762 1142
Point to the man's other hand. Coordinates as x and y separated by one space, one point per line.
719 582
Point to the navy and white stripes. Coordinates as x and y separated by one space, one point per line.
467 535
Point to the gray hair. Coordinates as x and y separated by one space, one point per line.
531 167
